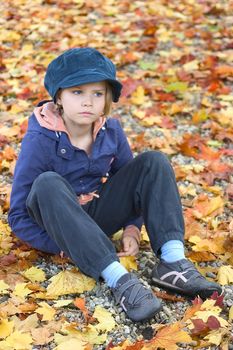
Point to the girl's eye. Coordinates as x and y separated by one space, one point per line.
98 94
77 92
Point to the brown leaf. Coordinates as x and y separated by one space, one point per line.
166 296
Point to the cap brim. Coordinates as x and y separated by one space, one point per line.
91 77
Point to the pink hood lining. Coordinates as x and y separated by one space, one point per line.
48 117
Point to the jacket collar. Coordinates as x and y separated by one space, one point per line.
48 117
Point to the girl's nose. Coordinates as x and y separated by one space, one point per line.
87 100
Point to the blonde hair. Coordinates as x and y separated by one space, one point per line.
108 100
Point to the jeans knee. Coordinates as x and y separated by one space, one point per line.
46 180
155 157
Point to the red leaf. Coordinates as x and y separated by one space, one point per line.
213 323
8 260
218 298
199 327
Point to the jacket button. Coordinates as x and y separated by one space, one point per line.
63 150
103 128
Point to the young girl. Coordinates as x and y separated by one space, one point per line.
76 183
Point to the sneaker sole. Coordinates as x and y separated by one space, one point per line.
203 294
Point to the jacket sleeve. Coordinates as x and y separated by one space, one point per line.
31 163
123 156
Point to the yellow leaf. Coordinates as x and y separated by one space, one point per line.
3 287
231 313
21 290
46 310
6 328
225 275
145 236
215 246
19 341
139 114
34 274
68 282
88 334
73 344
106 321
215 336
190 66
138 96
129 262
61 303
167 337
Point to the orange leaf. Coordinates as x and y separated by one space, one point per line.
224 70
167 337
201 256
81 304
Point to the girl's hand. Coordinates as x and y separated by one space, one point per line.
130 246
130 241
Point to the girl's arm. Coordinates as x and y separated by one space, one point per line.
32 162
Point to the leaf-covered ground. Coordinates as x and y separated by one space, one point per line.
175 61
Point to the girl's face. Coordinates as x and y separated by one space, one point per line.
83 105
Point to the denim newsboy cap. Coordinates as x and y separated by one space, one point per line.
80 66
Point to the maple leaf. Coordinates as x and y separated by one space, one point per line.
31 322
74 343
46 311
106 320
19 341
231 313
41 336
129 262
21 290
6 328
88 334
4 287
167 338
225 275
34 274
216 336
68 282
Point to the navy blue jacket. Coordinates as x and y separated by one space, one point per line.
46 150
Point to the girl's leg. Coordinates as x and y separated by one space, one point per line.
146 186
53 204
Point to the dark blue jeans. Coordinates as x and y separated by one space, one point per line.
146 186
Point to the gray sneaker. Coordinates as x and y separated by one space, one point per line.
138 302
182 277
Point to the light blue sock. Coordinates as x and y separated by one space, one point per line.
172 251
112 273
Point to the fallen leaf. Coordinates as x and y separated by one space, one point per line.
105 318
129 262
168 337
21 290
6 328
46 311
34 274
19 341
231 313
41 336
225 275
68 282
